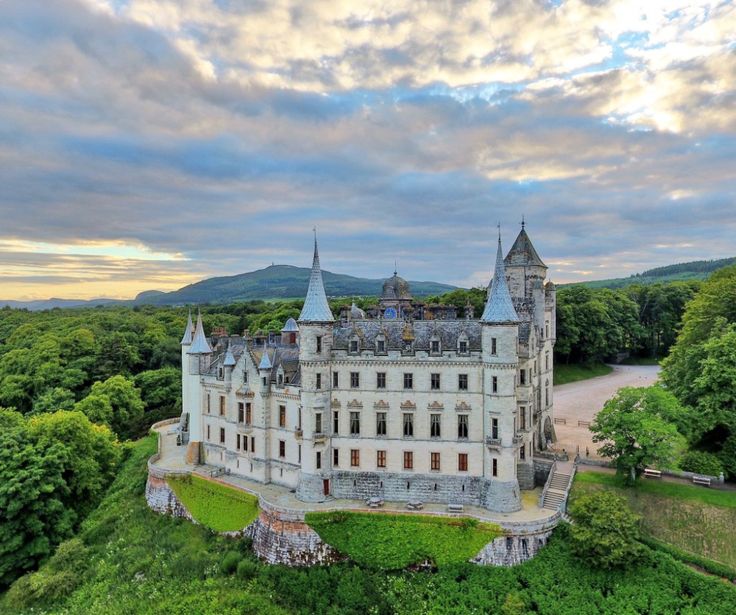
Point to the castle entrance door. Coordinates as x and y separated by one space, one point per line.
326 486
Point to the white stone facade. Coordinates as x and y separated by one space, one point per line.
428 410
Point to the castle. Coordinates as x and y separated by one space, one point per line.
406 403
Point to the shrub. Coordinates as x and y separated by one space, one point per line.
247 569
701 463
728 456
230 562
606 531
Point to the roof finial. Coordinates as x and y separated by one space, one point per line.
396 268
499 232
522 222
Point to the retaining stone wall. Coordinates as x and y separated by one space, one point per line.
162 499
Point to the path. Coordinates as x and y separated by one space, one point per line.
581 401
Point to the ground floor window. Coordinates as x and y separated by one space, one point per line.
408 460
354 457
434 462
462 462
381 459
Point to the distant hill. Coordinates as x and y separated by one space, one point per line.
50 304
277 282
694 270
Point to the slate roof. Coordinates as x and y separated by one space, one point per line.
522 253
290 326
499 306
200 345
188 332
316 308
448 332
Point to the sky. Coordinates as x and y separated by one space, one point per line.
147 144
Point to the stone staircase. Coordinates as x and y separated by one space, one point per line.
555 496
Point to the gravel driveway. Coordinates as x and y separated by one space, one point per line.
581 401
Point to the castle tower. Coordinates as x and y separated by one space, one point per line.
525 271
499 343
196 362
186 342
315 343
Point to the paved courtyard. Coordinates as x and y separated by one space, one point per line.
577 404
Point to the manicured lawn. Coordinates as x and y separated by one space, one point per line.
392 542
565 374
215 506
693 519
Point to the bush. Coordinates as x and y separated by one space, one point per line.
230 562
701 463
247 569
606 532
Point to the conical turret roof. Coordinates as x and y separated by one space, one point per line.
316 308
200 345
265 359
188 332
499 306
522 253
229 360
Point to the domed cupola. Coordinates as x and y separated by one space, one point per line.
396 288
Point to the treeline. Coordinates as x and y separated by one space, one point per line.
691 267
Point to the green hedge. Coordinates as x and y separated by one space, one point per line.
690 558
564 374
216 506
395 541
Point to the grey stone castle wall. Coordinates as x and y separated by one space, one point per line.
542 468
435 488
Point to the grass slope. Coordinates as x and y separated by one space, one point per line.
693 519
565 374
215 506
392 542
129 560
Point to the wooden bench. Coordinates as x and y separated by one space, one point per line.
583 423
652 473
374 502
701 480
217 472
455 508
414 505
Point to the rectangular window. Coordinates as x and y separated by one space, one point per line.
318 422
222 435
354 458
237 440
522 417
245 443
208 403
408 425
462 382
435 346
493 345
354 380
434 462
282 449
355 423
222 405
319 343
434 425
335 457
494 384
494 466
299 453
380 423
319 460
435 382
380 459
494 429
208 432
380 346
318 381
248 413
522 452
282 416
522 377
546 360
462 426
462 462
252 444
463 347
353 345
241 412
408 381
408 460
381 380
335 380
335 422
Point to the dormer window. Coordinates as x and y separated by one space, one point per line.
435 346
462 343
220 373
354 345
380 345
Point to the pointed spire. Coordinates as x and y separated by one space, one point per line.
316 308
522 253
188 332
265 359
200 345
229 358
499 307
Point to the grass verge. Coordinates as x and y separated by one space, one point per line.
564 374
216 506
392 542
691 519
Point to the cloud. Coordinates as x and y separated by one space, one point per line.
222 132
